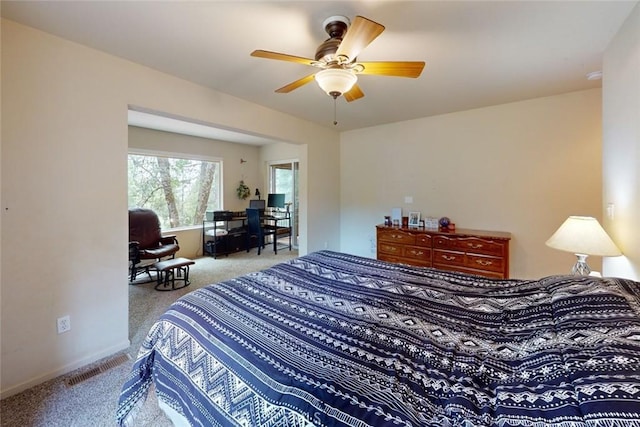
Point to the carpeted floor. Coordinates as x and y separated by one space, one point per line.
93 401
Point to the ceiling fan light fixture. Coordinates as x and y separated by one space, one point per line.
336 81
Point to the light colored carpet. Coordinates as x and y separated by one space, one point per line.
93 402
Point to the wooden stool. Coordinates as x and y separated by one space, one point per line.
169 269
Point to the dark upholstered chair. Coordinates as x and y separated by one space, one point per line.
255 229
146 241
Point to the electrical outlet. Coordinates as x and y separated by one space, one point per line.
64 324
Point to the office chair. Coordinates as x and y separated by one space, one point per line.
256 230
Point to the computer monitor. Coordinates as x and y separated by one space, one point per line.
257 204
275 200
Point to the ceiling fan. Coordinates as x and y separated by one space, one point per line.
337 59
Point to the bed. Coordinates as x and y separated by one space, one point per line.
331 339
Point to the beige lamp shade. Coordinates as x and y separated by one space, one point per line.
583 235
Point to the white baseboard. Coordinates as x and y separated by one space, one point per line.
64 369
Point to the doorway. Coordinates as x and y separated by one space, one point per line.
283 178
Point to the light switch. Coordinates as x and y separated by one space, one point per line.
408 199
611 210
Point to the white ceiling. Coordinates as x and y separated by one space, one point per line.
478 53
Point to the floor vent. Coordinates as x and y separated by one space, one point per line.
103 367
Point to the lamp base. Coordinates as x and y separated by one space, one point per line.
581 268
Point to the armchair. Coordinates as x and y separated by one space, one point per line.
146 241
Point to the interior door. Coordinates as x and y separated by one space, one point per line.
283 178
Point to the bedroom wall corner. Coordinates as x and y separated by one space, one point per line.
621 147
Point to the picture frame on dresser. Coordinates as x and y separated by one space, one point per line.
414 219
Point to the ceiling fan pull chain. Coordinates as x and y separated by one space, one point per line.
335 116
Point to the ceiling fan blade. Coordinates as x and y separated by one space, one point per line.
281 56
295 85
361 32
411 69
354 93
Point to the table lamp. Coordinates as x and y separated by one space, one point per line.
583 236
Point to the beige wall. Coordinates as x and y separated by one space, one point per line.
621 147
522 167
64 206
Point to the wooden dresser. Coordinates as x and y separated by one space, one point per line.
485 253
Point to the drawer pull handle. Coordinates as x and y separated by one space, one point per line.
472 246
485 263
417 253
448 258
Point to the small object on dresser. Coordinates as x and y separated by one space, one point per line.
396 214
452 226
405 221
387 221
431 222
444 223
414 219
421 223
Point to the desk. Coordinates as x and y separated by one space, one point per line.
224 232
282 226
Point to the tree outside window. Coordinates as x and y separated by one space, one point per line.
179 190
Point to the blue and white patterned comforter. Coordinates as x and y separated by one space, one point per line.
330 339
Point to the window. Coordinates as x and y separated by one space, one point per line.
179 189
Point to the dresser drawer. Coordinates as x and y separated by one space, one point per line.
417 253
448 258
423 240
490 274
485 263
388 258
393 249
470 244
417 260
396 236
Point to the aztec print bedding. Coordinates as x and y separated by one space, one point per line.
330 339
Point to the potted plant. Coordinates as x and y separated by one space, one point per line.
243 191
